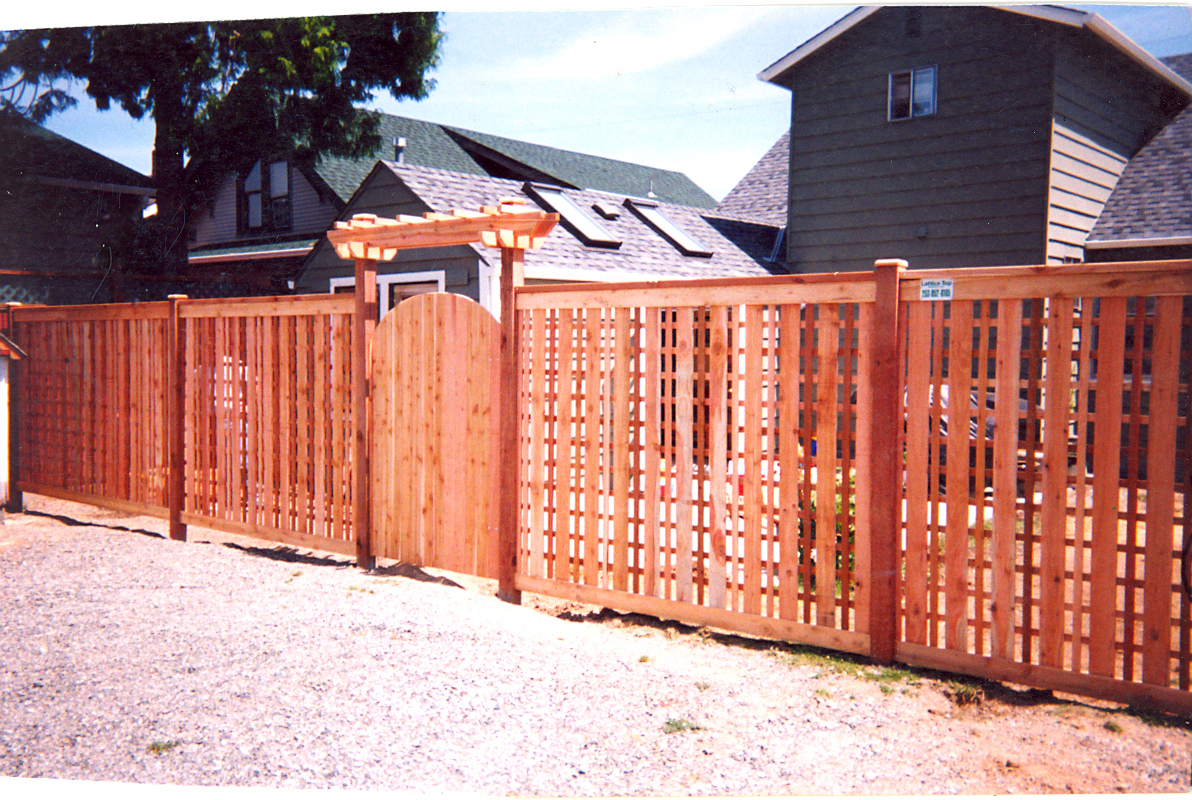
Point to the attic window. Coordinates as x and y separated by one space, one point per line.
912 93
653 216
265 198
574 218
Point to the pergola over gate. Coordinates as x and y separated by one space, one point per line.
367 239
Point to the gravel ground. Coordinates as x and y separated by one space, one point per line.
223 661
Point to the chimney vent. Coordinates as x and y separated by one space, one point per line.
399 149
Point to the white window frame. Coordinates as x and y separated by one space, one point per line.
387 279
915 76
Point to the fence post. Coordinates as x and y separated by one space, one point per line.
16 499
509 461
364 325
885 496
176 417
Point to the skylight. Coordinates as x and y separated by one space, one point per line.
653 216
574 218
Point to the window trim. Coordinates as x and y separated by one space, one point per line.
385 280
267 200
914 76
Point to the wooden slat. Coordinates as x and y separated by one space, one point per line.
591 447
315 305
861 576
956 542
1055 481
752 496
697 292
652 451
621 444
1160 508
684 455
566 542
718 431
1005 476
825 464
917 435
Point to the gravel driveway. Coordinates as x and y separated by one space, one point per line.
223 661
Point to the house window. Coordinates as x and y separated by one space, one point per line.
394 287
912 93
265 198
650 214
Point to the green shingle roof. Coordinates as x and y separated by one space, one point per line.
31 150
457 150
589 172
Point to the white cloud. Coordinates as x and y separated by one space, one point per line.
637 43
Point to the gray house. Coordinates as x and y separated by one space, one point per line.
1149 215
956 136
66 213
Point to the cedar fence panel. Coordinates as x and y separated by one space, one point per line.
676 440
269 418
92 426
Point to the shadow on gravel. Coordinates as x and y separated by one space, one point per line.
74 523
291 556
414 573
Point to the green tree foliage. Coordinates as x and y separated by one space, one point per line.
223 94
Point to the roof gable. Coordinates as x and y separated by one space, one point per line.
1070 17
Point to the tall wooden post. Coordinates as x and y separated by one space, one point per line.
176 417
16 500
885 485
512 276
363 327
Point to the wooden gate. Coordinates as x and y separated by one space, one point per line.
434 444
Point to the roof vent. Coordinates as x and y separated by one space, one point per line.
399 149
607 210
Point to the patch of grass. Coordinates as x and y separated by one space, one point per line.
823 692
885 687
966 694
703 687
644 659
679 725
157 748
830 663
1112 726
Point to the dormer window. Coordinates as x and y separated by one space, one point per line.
912 93
265 198
650 214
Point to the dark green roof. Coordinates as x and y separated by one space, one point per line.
31 150
582 171
468 152
426 146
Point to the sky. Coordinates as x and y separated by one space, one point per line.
670 87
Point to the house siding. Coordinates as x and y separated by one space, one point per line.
310 212
1094 135
387 196
967 186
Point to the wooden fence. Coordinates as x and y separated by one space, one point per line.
993 483
685 448
253 395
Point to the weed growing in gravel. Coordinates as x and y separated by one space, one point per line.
294 575
157 748
843 664
823 692
644 659
361 589
703 687
966 694
678 725
1112 726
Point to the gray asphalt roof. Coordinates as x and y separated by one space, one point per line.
761 196
1153 198
737 249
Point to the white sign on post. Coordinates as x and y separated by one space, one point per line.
935 289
